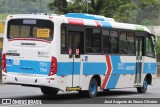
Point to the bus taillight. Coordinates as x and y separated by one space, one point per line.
53 68
4 63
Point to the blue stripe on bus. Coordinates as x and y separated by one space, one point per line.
150 68
114 79
85 16
119 68
66 68
92 68
28 67
89 68
106 24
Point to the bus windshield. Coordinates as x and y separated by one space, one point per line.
30 28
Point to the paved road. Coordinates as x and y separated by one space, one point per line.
11 91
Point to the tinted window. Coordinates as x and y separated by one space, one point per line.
114 42
106 41
130 43
63 40
149 47
123 40
93 40
21 28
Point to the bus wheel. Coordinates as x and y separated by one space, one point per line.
144 88
49 91
106 90
82 93
93 87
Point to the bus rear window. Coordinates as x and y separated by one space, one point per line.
30 28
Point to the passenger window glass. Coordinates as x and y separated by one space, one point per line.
93 40
123 46
149 47
22 28
130 43
14 30
63 40
106 41
114 42
25 30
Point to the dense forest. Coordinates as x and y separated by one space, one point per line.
146 12
24 6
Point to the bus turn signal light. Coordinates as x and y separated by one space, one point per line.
4 63
53 68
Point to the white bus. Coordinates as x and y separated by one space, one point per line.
77 52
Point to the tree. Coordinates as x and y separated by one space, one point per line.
24 6
73 6
59 5
132 11
148 11
97 5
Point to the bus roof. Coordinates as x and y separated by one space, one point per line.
101 21
87 20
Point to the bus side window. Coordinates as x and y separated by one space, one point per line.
122 43
149 47
106 41
130 43
93 40
114 42
63 40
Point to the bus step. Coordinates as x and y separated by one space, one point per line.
137 85
73 88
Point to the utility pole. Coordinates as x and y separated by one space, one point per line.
87 5
88 1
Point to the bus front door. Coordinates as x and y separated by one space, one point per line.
75 50
139 61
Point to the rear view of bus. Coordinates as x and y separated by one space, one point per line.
27 58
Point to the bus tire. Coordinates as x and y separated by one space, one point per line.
144 88
106 90
49 91
82 93
93 88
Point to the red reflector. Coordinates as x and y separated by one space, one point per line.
51 78
51 17
76 22
11 16
3 75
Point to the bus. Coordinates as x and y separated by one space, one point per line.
77 52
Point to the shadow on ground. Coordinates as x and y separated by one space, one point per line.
76 96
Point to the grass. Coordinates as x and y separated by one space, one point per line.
3 16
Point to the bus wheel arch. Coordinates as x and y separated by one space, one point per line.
98 79
147 81
49 90
148 77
